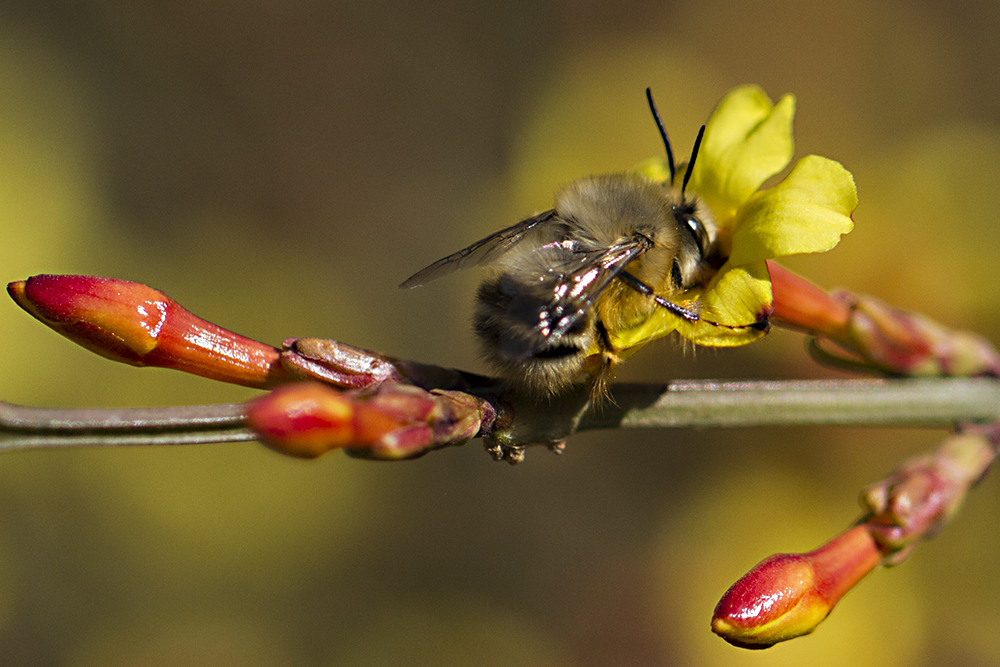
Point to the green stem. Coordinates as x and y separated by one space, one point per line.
937 402
23 427
720 403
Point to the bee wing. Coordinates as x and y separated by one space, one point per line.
480 252
579 280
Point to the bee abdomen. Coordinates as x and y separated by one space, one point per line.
556 352
517 347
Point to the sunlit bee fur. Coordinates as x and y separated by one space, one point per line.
612 250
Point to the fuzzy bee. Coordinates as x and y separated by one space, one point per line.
612 250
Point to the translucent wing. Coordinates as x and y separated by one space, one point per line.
577 280
480 252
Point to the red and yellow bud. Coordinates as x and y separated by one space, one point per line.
396 421
788 595
304 420
138 325
882 337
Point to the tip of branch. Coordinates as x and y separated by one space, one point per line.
788 595
141 326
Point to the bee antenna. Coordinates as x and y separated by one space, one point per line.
663 133
694 156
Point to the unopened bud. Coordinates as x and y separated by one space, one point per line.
788 595
395 421
141 326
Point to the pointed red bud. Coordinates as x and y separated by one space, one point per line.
396 421
800 304
788 595
141 326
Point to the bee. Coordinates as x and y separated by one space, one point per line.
611 250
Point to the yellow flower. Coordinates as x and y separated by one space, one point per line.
748 139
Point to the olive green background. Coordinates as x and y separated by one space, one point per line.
280 167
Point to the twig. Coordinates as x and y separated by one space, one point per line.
682 404
23 427
873 402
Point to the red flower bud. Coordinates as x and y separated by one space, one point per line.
138 325
799 304
396 421
788 595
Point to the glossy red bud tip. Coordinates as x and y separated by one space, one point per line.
788 595
141 326
304 420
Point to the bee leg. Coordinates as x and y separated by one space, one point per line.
643 288
609 359
512 454
680 311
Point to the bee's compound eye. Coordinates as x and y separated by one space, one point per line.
698 231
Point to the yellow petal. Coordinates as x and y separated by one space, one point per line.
747 140
655 169
735 299
807 212
658 325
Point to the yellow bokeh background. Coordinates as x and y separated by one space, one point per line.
280 168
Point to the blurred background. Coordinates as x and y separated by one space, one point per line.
280 167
